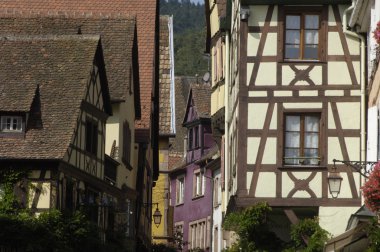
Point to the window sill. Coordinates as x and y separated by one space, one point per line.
198 197
302 61
179 204
303 167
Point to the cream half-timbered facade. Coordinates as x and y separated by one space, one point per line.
295 106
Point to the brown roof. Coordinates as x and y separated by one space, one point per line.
57 69
201 94
116 34
165 77
182 87
145 11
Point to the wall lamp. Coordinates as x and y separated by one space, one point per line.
156 215
335 180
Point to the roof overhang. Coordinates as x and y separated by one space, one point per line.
291 2
360 16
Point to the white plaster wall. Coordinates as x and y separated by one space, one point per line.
257 93
335 45
372 133
311 105
273 122
44 199
343 78
253 40
346 111
256 115
328 217
263 78
270 151
266 185
252 148
270 48
258 14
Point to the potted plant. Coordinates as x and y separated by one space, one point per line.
376 33
371 189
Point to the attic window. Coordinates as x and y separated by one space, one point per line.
11 124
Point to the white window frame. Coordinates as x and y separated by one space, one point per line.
198 183
180 190
11 129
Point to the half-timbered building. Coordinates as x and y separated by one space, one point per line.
295 104
54 107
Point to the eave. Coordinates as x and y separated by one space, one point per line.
291 2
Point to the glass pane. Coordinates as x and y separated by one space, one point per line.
311 52
19 124
292 37
293 22
292 51
311 140
14 124
291 156
292 139
292 123
311 21
311 37
312 123
311 153
8 127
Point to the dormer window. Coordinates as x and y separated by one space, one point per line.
11 124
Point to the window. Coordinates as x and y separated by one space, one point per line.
302 137
126 144
198 234
180 190
11 124
217 192
190 138
178 232
91 136
198 184
302 36
196 137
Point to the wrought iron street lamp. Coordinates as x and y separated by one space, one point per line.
156 215
364 168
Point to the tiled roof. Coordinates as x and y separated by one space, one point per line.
116 35
165 66
57 69
202 99
145 11
182 87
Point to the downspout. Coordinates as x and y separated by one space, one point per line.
226 117
362 81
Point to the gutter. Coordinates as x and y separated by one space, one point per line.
362 80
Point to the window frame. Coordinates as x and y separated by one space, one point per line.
201 188
3 123
190 139
91 146
321 134
180 196
322 12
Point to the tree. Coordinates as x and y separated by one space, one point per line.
253 230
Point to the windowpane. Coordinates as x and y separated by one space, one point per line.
293 37
8 127
292 123
292 139
312 157
312 123
292 51
311 21
311 52
311 140
291 156
311 37
293 22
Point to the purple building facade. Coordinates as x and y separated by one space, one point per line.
191 183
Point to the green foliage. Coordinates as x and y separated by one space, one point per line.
51 231
373 232
253 230
163 248
189 36
9 177
310 231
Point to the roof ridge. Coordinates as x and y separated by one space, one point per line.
14 12
48 37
